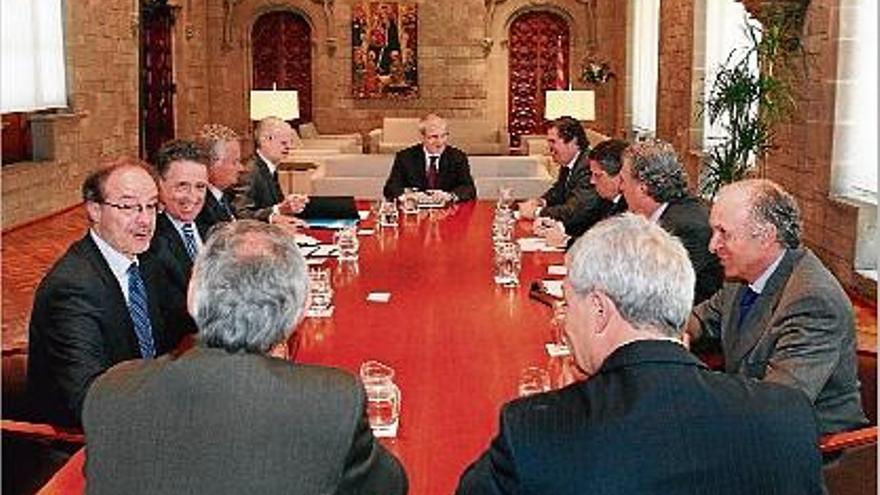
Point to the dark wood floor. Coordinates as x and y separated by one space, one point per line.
28 251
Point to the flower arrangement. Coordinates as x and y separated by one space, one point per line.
596 72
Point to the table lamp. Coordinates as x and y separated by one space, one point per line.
579 104
283 104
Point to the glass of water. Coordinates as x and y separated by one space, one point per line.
320 291
383 398
507 264
388 215
410 201
533 380
347 243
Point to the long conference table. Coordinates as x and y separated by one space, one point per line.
456 340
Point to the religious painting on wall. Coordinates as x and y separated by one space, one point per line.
384 50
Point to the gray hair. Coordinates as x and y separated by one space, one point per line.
770 204
213 136
432 120
250 286
655 164
643 269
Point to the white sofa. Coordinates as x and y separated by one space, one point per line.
474 136
322 145
363 176
308 131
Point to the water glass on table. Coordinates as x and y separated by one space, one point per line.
383 398
388 215
320 292
533 380
410 201
507 264
347 243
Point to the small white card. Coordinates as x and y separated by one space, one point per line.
315 261
379 297
366 231
364 214
553 287
531 244
305 240
557 270
557 350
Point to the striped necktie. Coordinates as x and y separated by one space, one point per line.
432 171
189 240
139 311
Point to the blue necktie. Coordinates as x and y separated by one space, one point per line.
432 171
139 311
224 203
747 300
189 240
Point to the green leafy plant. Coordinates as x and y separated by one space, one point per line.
747 104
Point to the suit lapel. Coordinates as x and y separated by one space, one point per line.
117 307
421 167
166 229
741 340
271 184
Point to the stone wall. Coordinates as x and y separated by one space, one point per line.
102 63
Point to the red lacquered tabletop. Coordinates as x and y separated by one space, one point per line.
456 340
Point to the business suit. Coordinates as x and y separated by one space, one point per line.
687 219
582 223
653 420
572 199
80 326
169 250
210 421
799 332
213 212
410 169
257 192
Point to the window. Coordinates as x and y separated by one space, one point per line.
725 31
854 160
644 45
33 70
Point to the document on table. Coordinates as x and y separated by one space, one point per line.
324 250
557 270
379 297
536 244
557 350
553 287
364 214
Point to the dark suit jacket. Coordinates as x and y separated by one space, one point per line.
688 219
410 170
212 213
80 327
800 332
214 422
257 191
653 420
574 201
168 248
581 224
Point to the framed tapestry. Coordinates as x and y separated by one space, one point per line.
384 50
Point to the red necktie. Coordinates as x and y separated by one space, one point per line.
432 172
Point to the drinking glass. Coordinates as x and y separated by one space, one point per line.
321 292
410 201
533 380
383 398
347 243
507 264
388 214
557 323
505 197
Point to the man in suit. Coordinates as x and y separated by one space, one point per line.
605 160
654 185
432 166
258 194
183 182
98 305
572 199
651 418
228 416
782 317
223 173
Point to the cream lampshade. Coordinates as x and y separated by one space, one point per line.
579 104
273 103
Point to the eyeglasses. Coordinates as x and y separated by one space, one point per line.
134 209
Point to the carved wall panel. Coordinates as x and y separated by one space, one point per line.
157 77
282 55
538 59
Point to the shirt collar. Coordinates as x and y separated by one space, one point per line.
178 225
217 193
119 263
760 282
571 163
655 216
617 198
272 167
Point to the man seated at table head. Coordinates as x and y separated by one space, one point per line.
781 316
182 166
99 304
226 416
258 195
223 173
432 166
654 185
651 418
605 160
572 199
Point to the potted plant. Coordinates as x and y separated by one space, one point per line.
748 104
